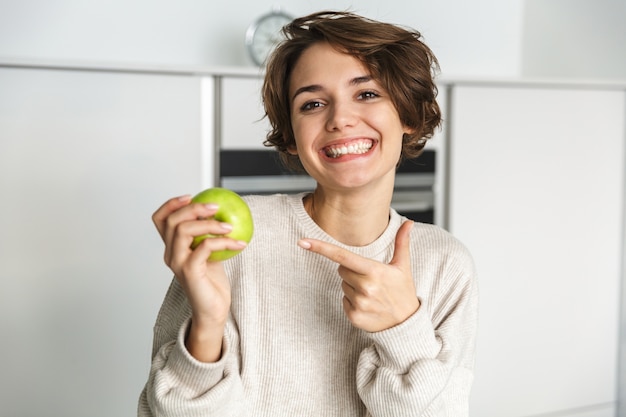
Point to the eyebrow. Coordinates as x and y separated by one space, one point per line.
316 87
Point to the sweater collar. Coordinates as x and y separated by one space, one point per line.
381 249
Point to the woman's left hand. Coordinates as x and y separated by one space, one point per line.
377 296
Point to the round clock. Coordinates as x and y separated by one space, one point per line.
264 34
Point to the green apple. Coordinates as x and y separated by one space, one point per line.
232 210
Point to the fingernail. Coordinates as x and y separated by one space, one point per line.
304 244
226 226
185 197
211 206
242 243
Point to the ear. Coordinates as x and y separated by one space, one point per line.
408 130
292 150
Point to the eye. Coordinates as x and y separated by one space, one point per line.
311 105
368 95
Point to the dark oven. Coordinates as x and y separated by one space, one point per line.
260 172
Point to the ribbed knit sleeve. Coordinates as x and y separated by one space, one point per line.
180 385
424 366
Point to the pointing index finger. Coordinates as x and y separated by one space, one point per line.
337 254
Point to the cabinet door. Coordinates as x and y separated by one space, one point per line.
242 123
536 192
85 159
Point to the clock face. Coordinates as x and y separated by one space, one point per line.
264 34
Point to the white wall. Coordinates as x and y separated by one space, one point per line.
480 37
484 38
574 39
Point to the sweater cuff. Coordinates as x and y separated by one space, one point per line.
412 340
196 376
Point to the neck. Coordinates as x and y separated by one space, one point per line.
354 218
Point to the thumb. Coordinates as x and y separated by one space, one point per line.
401 253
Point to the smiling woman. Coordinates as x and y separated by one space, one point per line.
337 105
393 57
339 305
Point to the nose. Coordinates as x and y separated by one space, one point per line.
340 116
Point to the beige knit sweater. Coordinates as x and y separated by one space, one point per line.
289 349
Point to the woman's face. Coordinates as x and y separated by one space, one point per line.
348 132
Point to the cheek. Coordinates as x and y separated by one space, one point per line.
399 127
303 131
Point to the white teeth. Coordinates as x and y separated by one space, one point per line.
356 148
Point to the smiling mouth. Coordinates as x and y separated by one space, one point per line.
357 147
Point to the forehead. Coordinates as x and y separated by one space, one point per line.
322 64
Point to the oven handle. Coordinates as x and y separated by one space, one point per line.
269 184
412 207
413 200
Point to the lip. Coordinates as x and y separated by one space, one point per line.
347 142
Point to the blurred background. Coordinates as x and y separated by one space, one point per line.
109 108
479 38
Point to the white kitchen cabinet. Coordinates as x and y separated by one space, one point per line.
242 125
85 159
537 193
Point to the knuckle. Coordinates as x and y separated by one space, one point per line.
339 256
170 223
356 317
182 229
367 290
362 303
185 269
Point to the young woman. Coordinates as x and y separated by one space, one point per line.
339 306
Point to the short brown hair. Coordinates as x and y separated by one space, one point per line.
396 57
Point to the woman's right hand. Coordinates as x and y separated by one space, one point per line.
205 282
